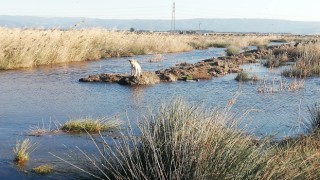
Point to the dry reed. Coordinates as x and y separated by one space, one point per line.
21 48
308 62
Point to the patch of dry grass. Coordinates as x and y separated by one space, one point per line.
308 62
21 48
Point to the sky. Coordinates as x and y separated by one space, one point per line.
304 10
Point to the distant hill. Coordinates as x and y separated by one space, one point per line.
217 25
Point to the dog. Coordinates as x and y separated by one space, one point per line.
135 66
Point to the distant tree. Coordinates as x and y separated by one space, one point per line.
132 29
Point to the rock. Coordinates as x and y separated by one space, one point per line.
146 78
103 78
167 77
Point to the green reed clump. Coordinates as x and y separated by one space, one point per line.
90 125
43 169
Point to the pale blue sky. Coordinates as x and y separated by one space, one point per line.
161 9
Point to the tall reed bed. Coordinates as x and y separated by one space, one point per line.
31 47
308 62
28 48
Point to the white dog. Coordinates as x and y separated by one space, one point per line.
135 66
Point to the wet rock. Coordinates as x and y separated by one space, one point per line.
167 77
146 78
111 78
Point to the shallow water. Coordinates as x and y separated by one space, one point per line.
41 96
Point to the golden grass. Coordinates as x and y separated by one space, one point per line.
21 48
22 150
89 125
29 48
43 169
308 62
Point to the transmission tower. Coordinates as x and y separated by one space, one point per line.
173 20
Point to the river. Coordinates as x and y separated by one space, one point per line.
46 95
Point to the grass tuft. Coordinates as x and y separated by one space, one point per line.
244 76
90 125
232 50
22 151
43 169
314 123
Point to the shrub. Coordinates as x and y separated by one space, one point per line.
232 50
243 76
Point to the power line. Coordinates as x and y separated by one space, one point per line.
173 20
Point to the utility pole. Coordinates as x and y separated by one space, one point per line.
173 20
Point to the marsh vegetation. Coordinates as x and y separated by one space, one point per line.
180 140
183 141
31 47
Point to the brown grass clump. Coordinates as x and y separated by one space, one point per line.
308 63
22 151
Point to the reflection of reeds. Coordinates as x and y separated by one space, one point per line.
279 85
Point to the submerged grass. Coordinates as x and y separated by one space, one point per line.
90 125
